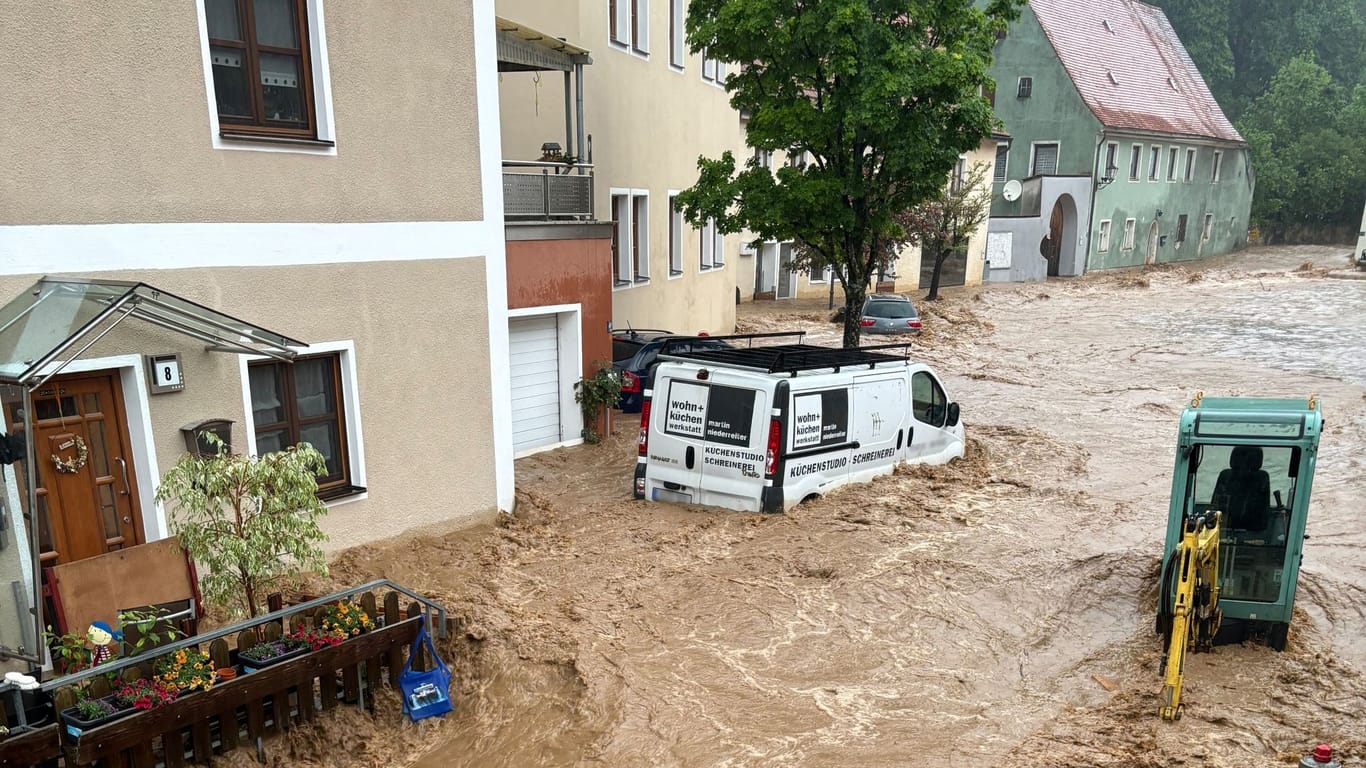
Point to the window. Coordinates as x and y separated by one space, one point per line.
960 175
1111 166
621 234
675 236
1002 157
1207 230
1154 163
1025 88
1045 160
762 158
628 23
303 402
718 243
713 71
1135 158
928 403
1218 163
1190 164
819 274
640 237
1172 156
262 69
676 34
1180 230
1128 244
796 158
1103 240
706 244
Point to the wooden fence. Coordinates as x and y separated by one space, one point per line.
235 712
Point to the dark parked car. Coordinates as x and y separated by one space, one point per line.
635 352
889 313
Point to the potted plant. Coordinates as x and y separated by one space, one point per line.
271 652
344 619
252 521
186 670
145 694
316 639
91 713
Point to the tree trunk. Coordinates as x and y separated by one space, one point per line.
854 293
940 256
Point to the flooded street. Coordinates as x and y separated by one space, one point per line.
996 611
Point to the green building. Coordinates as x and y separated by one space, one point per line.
1119 155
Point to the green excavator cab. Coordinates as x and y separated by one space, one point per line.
1252 460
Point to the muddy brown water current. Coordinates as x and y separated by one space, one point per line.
972 614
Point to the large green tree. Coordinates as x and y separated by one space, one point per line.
880 96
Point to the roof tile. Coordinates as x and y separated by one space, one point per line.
1131 68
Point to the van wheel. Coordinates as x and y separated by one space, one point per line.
1276 635
811 497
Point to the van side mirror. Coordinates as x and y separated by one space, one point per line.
953 415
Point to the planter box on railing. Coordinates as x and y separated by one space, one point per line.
289 649
74 724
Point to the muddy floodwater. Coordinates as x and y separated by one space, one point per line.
995 611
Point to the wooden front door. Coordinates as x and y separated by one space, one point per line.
87 496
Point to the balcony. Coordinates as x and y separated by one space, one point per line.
547 191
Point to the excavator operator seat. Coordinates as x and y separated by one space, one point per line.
1243 491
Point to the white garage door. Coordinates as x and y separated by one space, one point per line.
535 353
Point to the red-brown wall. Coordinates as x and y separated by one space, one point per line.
548 272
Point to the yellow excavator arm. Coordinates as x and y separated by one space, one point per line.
1195 614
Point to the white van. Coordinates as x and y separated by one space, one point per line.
764 428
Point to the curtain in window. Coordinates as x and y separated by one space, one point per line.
312 380
266 407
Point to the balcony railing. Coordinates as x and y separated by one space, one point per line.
534 190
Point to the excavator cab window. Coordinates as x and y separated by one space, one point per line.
1254 487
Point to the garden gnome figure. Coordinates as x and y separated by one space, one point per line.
100 636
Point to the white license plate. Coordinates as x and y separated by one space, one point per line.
661 494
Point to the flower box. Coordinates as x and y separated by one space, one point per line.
74 724
284 649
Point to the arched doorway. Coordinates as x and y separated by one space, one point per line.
1059 244
1152 244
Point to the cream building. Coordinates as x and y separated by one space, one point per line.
650 110
257 164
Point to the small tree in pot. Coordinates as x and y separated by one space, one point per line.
251 521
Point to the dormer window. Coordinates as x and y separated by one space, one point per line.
1113 80
1106 23
1025 88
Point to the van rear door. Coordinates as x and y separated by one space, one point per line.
735 441
880 405
677 425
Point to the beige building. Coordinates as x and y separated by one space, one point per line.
771 274
192 174
651 109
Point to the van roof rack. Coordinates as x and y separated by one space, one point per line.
795 358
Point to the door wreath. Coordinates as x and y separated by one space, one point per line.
73 465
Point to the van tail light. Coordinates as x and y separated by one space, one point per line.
913 323
629 382
643 442
867 322
774 437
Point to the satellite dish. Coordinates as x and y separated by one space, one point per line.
1011 191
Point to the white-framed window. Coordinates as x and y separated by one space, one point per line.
675 236
708 241
1173 155
713 70
1154 162
1181 229
1135 162
640 236
1128 244
314 400
763 158
1044 161
1103 239
1190 164
293 98
796 158
718 245
628 24
630 250
819 275
1111 166
959 176
1218 166
676 34
1208 228
1002 158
